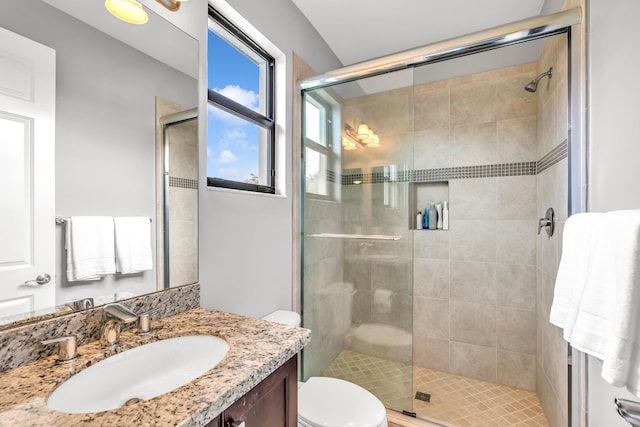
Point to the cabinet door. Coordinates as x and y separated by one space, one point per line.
272 403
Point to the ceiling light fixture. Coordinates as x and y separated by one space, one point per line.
129 11
365 137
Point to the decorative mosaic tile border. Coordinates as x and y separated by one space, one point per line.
174 181
356 177
553 156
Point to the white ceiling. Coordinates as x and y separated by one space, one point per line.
358 30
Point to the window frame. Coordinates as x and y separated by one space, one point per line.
265 121
326 131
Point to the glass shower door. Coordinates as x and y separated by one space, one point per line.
358 242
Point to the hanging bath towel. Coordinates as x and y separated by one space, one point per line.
90 248
133 244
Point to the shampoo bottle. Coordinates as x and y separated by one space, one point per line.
439 212
445 215
433 216
425 219
419 221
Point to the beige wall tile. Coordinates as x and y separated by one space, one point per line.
473 144
512 100
515 242
516 330
431 244
431 278
473 323
431 109
431 353
431 148
516 197
472 198
473 281
473 361
473 240
516 286
517 370
473 103
517 139
431 318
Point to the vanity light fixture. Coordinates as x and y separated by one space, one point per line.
129 11
364 137
172 5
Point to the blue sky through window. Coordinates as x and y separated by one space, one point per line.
232 143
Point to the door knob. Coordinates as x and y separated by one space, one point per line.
41 279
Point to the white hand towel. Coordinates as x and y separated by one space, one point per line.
90 247
133 244
604 319
577 244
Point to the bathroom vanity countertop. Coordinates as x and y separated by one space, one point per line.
257 348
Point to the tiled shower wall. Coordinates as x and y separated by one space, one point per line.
552 192
474 285
324 312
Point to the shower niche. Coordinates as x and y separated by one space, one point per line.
422 195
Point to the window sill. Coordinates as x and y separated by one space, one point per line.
245 192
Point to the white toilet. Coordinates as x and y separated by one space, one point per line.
331 402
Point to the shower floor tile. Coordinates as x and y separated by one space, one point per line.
455 400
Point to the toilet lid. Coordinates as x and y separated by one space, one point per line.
331 402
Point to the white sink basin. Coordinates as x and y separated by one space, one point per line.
140 373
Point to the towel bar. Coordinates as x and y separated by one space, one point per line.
63 220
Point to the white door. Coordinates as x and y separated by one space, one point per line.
27 160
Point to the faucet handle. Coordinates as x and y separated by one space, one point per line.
67 348
144 321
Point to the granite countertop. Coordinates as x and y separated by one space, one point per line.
257 348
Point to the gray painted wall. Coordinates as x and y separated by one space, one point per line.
246 239
614 136
105 128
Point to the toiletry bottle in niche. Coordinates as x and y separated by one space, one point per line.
445 215
419 221
439 212
433 216
425 219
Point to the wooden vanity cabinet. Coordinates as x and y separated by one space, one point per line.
272 403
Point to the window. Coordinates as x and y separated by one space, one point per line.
319 157
240 116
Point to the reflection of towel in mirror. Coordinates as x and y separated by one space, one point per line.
90 247
602 318
133 244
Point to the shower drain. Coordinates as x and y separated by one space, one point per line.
425 397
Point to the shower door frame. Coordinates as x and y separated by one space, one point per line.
165 122
573 23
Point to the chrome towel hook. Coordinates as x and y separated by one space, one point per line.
548 222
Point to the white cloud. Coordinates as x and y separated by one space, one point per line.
248 98
227 172
227 156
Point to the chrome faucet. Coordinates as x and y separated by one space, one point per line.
115 315
67 348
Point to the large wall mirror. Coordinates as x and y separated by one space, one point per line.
125 109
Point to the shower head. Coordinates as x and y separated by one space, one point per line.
532 86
